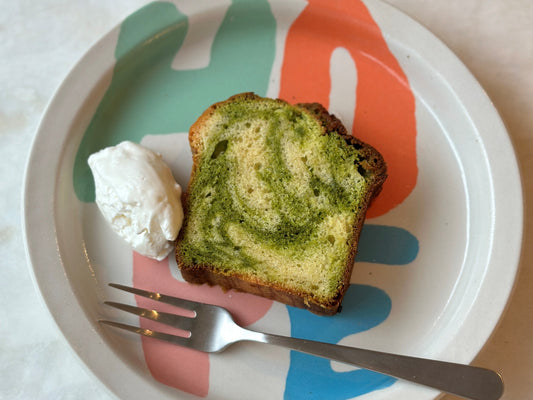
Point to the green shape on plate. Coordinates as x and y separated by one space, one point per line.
147 97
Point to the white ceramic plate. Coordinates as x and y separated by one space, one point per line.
439 252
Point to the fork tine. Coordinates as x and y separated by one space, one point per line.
176 321
174 301
178 340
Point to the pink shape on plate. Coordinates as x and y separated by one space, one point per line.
175 366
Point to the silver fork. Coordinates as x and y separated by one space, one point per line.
212 329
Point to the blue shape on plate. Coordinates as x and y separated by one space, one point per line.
310 377
391 245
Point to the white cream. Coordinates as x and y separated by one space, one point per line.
138 196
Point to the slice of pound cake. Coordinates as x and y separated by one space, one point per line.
276 201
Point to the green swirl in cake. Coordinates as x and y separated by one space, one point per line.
274 196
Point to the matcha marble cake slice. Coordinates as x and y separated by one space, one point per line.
276 201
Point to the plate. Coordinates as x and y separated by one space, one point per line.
440 248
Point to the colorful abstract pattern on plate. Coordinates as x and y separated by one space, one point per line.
147 96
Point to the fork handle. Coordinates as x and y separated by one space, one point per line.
462 380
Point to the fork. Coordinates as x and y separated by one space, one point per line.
212 329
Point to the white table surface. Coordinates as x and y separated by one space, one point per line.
40 41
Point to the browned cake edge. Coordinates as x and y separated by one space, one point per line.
200 274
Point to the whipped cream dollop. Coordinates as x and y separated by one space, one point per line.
138 196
